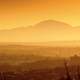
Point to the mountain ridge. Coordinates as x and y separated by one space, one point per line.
39 23
48 30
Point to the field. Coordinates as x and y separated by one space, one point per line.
19 62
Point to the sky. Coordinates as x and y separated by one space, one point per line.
19 13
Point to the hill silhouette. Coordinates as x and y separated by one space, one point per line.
45 31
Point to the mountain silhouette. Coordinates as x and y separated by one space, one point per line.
45 31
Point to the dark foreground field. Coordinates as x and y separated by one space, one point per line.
39 63
58 73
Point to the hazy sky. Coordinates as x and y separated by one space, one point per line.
18 13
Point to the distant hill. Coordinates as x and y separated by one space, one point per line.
45 31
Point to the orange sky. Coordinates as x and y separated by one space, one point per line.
18 13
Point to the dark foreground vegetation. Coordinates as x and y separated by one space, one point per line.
39 63
42 74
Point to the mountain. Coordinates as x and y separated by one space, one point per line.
45 31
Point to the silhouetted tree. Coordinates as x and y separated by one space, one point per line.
67 72
78 72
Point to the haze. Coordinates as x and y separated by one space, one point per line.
45 31
19 13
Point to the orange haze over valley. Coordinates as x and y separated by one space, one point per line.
39 39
